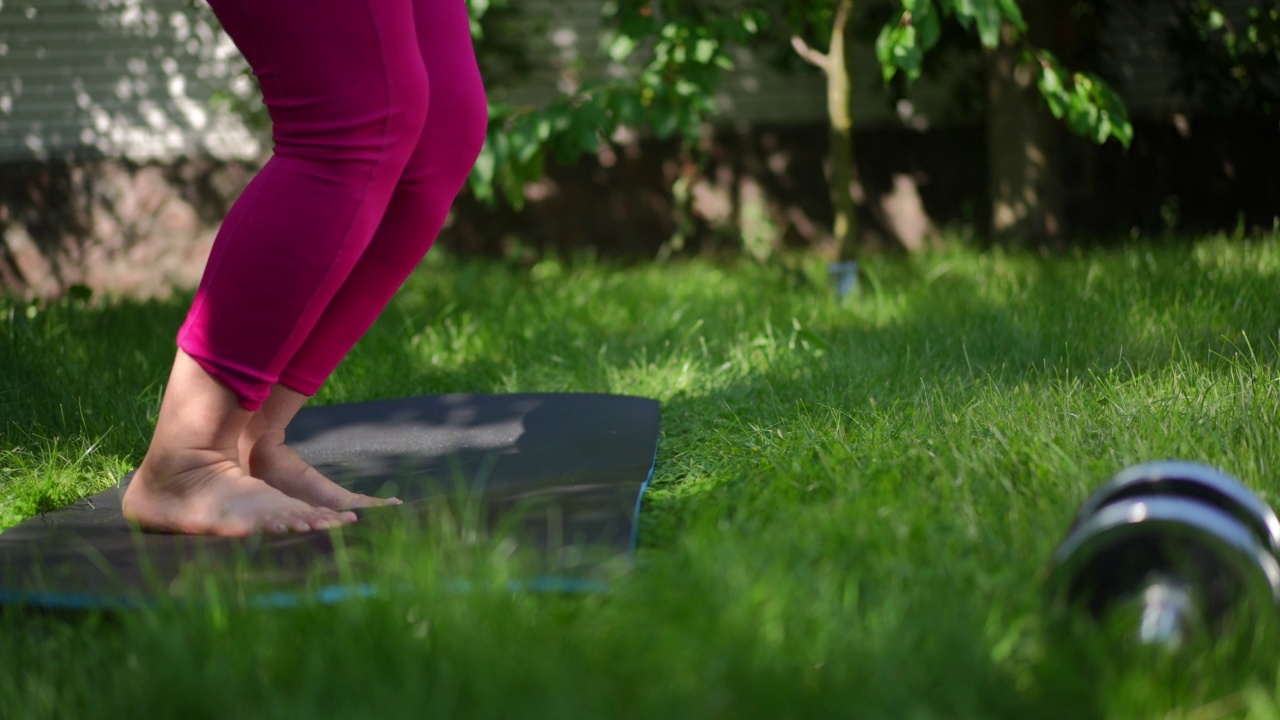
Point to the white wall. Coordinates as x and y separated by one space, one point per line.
119 78
135 78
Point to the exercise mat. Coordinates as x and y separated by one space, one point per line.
558 477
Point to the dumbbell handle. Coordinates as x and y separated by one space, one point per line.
1168 611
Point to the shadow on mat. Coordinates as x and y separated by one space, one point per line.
556 477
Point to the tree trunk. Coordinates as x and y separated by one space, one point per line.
1023 174
839 112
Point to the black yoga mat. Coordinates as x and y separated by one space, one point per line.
559 475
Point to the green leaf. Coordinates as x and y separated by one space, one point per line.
884 47
1087 104
624 106
704 49
525 143
897 49
690 125
988 17
665 124
620 47
588 140
1013 14
1103 130
1216 20
924 16
907 53
481 179
476 9
1108 113
1051 85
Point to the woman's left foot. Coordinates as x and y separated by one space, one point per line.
267 457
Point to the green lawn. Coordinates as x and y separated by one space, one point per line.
850 515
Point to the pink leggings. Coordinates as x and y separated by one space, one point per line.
359 184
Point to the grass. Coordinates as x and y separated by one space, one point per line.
850 516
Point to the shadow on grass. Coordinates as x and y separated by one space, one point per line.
71 368
862 515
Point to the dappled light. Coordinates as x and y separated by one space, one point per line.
119 78
156 82
846 499
888 285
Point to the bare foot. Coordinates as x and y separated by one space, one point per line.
267 457
205 492
191 480
263 454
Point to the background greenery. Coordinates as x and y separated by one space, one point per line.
1041 62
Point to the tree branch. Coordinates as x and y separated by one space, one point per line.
811 56
843 10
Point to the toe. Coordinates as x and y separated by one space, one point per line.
356 501
329 519
301 525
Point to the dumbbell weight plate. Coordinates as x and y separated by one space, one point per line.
1193 481
1176 535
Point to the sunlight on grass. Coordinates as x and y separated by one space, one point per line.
850 516
51 473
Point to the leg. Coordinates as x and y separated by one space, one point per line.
346 89
451 140
347 92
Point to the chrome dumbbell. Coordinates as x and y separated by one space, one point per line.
1179 545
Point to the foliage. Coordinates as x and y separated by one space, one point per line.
671 62
1088 105
1083 100
1229 63
675 53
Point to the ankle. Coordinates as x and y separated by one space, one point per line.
163 464
257 448
197 413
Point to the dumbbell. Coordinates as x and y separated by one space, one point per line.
1179 546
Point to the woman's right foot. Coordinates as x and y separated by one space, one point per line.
205 492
